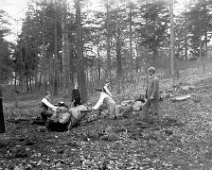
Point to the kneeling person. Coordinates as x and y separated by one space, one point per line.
108 101
47 107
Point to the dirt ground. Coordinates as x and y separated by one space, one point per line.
184 142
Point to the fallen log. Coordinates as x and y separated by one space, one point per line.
18 120
89 120
188 87
181 98
203 87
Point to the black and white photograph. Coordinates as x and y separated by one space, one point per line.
105 84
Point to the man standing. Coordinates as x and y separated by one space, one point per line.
152 95
2 125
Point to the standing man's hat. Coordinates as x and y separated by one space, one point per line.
151 69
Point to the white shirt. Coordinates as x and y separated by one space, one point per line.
107 90
101 99
48 104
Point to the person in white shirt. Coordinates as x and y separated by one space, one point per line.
108 100
106 89
47 107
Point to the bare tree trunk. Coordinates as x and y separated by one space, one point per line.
108 45
55 54
20 80
186 49
40 81
65 59
15 80
206 45
154 56
27 82
51 73
118 59
201 56
172 40
137 56
131 38
44 61
36 77
71 65
2 125
186 37
81 75
99 66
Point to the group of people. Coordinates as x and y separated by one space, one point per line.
150 106
60 117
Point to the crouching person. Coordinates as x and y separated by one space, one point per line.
47 107
106 99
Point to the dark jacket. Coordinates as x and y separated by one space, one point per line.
76 97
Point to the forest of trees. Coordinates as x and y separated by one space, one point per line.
65 42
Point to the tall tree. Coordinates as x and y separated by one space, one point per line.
65 45
108 34
5 46
2 125
119 34
38 45
153 30
199 21
80 55
132 16
172 39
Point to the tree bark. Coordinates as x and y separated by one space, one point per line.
65 53
118 59
2 124
108 45
131 38
55 54
79 47
172 40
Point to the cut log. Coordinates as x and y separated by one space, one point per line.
186 88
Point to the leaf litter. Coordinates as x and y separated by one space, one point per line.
183 142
